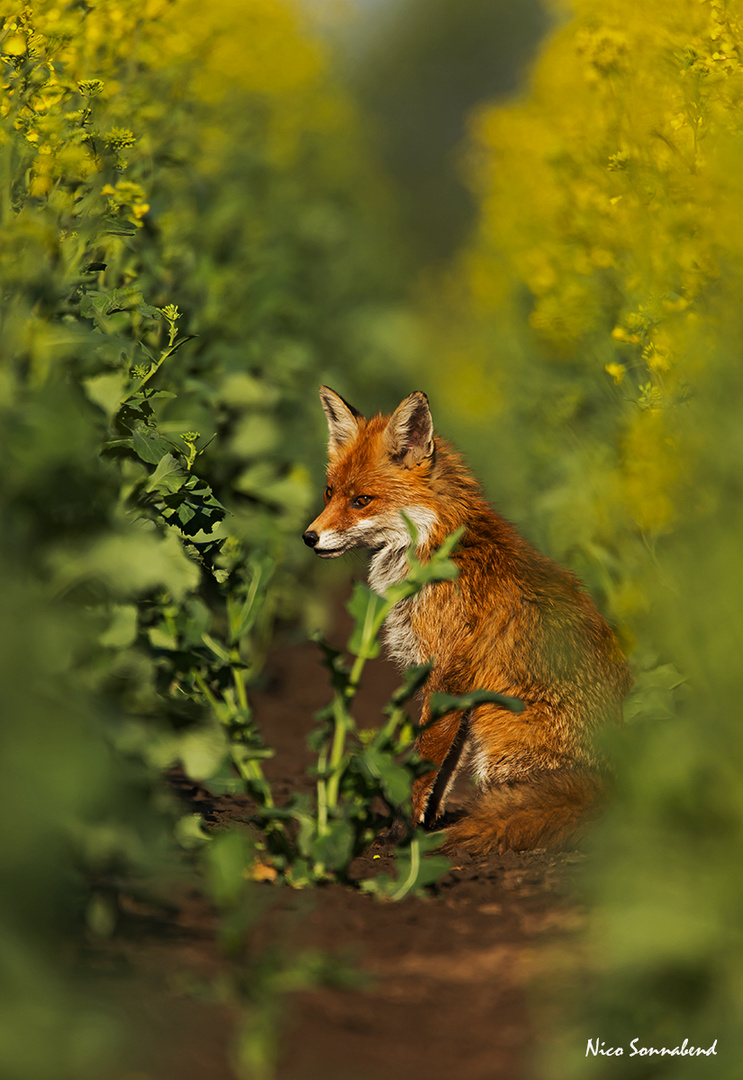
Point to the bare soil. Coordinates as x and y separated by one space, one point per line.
454 984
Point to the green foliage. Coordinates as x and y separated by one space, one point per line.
188 229
591 345
71 814
667 887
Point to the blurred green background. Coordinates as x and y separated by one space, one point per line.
531 213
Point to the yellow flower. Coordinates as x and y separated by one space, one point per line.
15 45
90 87
617 372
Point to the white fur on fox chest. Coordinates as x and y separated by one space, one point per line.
400 639
389 565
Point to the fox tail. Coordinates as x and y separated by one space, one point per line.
549 808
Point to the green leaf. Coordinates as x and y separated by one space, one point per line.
168 476
149 447
148 310
122 630
189 832
227 857
653 695
242 615
301 811
449 544
101 304
368 611
185 514
439 567
394 779
162 637
106 391
118 226
335 848
203 752
129 564
441 704
299 874
162 395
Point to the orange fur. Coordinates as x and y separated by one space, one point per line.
513 621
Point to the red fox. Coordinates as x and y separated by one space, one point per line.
513 622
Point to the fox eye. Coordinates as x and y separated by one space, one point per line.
361 501
328 493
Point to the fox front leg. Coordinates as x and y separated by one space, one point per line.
442 744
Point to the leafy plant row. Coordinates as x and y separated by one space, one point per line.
176 266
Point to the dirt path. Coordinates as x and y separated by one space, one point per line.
448 979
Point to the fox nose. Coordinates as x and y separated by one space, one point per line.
310 538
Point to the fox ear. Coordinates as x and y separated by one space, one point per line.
408 436
343 420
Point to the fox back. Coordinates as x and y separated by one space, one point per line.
513 621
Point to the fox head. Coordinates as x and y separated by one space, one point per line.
378 470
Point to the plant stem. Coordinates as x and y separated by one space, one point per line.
322 793
415 862
250 771
341 713
343 723
242 697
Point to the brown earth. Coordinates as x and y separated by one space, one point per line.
454 984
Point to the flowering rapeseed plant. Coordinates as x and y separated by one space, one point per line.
600 297
608 242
